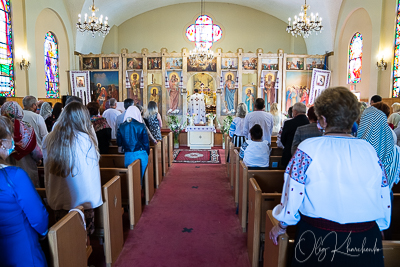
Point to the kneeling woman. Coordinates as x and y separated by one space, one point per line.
71 162
132 137
336 192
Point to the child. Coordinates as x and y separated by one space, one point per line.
255 152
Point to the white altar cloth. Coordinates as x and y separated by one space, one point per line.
201 129
200 137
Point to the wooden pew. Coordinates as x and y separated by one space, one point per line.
157 162
164 155
113 142
236 161
276 151
118 161
170 137
131 189
259 203
232 164
113 150
228 164
271 180
67 242
395 220
274 139
280 255
275 163
111 211
226 141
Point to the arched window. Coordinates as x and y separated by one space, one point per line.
355 58
6 51
51 66
204 32
396 62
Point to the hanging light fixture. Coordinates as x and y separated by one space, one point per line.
303 25
94 24
201 52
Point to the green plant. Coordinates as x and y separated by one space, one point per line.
226 124
175 125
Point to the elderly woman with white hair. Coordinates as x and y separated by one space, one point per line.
395 117
237 126
132 137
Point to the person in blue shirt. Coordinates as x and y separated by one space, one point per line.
23 217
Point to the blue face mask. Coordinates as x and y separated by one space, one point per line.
10 150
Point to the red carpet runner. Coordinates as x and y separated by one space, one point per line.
191 221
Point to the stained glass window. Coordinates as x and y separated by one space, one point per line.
6 51
51 66
355 58
396 63
204 32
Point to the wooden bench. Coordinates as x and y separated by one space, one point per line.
118 161
111 212
113 142
274 138
157 162
228 163
275 163
226 142
67 242
276 151
232 164
131 189
271 180
259 203
170 137
113 150
164 155
395 219
236 161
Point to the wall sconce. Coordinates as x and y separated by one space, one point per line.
381 65
25 64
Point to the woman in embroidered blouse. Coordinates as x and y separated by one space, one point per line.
336 191
101 127
237 126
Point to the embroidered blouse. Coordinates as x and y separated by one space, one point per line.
335 178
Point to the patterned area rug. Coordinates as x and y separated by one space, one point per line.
197 156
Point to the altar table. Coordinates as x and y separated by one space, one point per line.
200 137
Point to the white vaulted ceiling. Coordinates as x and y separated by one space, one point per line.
118 11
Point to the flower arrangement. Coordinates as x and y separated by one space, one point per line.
175 125
210 117
226 124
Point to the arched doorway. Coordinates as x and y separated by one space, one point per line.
207 85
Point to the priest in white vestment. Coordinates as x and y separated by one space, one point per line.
197 106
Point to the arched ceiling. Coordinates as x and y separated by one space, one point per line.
122 10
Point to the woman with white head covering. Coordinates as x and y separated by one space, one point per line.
132 137
46 112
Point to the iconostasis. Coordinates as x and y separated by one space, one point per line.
169 78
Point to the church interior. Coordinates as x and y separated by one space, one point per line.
197 60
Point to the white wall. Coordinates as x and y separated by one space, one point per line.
164 27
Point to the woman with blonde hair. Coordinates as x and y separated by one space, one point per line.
395 117
237 126
277 118
23 217
153 120
71 162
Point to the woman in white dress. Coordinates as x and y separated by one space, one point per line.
336 191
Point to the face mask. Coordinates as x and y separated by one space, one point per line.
10 150
319 126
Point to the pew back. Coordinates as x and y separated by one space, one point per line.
232 164
164 155
395 220
149 178
112 218
258 205
157 163
276 151
67 241
113 150
131 189
236 161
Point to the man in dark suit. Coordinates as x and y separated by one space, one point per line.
306 131
289 129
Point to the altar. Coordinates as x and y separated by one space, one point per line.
200 137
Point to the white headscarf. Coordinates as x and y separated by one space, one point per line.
134 113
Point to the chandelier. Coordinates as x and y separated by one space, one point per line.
200 54
303 25
94 24
202 50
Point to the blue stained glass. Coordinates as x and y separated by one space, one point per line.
51 66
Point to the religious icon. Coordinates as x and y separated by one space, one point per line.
314 63
297 88
229 63
173 92
154 93
249 97
249 63
269 93
135 88
80 81
230 91
295 63
154 63
320 80
173 63
269 63
90 63
104 85
110 63
134 63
